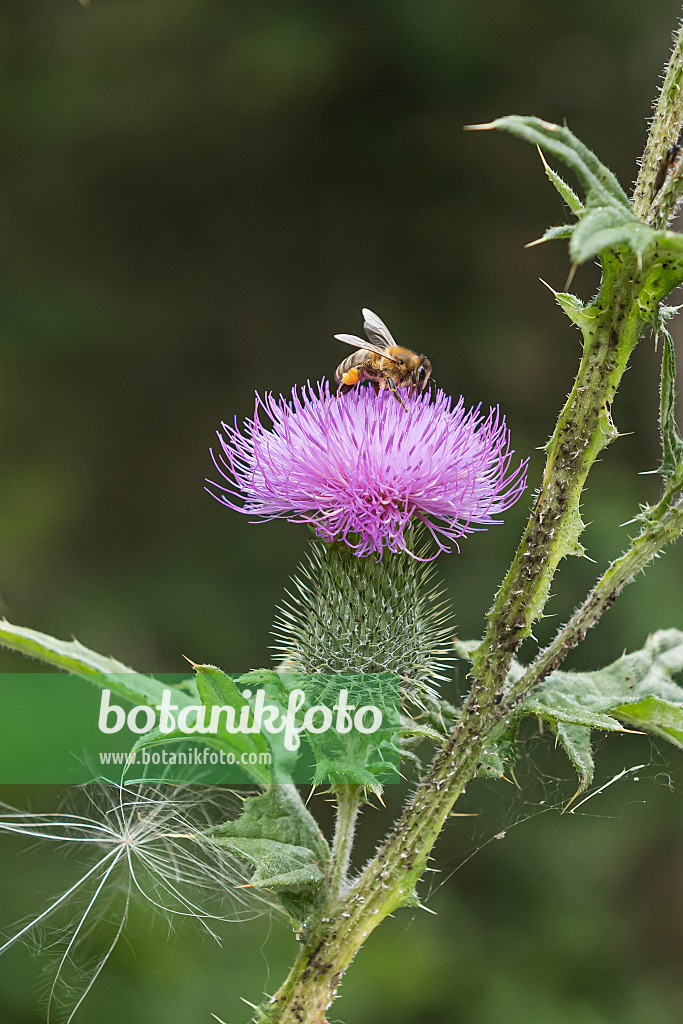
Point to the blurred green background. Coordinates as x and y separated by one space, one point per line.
195 197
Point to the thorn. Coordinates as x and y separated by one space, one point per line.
548 286
570 278
512 773
253 1006
567 806
480 127
191 662
543 159
462 814
536 241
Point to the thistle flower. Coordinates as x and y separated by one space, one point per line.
362 469
145 840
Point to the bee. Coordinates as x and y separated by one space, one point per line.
669 162
381 362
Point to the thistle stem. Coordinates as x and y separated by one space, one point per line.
664 132
663 525
348 804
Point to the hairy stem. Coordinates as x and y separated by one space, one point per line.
663 525
664 132
348 804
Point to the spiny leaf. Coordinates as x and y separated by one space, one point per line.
278 814
576 742
561 231
605 227
280 867
606 220
216 689
637 688
73 657
282 840
500 750
568 194
341 773
599 183
419 731
579 314
672 443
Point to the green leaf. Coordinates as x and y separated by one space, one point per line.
672 443
561 231
636 689
216 689
568 194
280 867
606 227
278 814
341 773
600 185
73 657
606 220
576 311
282 840
355 758
661 717
420 731
576 742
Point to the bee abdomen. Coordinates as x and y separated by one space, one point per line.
350 363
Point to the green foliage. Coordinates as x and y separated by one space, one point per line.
281 839
576 743
73 657
672 443
600 185
605 220
636 690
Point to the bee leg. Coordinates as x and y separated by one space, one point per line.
392 387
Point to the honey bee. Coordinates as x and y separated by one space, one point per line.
382 362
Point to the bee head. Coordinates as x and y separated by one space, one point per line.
422 374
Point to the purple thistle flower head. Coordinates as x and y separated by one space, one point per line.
362 469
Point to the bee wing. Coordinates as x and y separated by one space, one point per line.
351 339
376 330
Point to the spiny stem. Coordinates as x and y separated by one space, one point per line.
615 322
662 526
348 803
664 132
